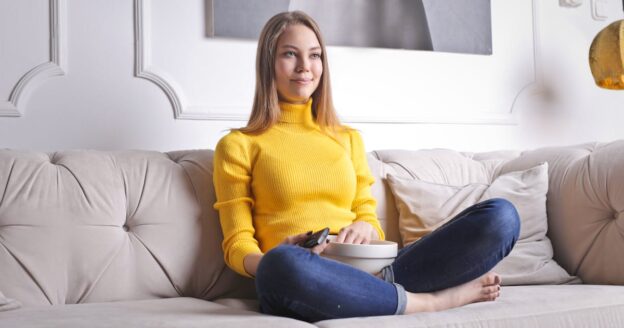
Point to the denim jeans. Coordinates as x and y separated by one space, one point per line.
293 282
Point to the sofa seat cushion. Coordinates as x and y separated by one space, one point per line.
518 306
168 312
7 304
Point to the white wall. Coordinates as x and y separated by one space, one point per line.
397 99
580 111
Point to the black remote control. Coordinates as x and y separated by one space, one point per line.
316 238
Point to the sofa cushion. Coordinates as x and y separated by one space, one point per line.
425 206
171 312
7 304
432 165
585 196
585 207
86 226
565 306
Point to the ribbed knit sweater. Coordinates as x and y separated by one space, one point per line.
288 180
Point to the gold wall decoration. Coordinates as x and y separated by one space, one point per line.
606 57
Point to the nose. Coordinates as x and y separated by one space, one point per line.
303 65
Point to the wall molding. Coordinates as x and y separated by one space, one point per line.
142 64
182 110
57 66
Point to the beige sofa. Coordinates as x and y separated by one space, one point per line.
130 239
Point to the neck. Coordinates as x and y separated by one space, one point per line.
296 113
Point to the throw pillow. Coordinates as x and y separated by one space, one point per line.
425 206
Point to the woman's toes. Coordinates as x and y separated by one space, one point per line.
490 278
491 289
495 295
491 296
490 293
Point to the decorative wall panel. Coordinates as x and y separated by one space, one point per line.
39 52
213 78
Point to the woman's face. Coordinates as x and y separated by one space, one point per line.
298 64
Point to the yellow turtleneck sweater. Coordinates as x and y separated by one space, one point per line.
288 180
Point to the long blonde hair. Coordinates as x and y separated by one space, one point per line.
266 111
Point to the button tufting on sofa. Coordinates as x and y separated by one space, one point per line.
59 243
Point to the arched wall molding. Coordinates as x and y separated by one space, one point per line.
182 110
142 67
56 66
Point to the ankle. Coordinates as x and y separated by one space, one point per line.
438 301
421 302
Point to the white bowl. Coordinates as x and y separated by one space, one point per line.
367 257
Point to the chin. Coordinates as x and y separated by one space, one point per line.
300 97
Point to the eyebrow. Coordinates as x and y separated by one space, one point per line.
291 46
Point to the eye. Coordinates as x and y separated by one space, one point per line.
316 56
289 53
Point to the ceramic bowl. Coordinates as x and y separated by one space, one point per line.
366 257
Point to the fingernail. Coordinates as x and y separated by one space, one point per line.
309 232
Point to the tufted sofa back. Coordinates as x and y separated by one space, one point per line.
585 207
431 165
585 200
93 226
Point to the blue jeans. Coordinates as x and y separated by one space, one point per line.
293 282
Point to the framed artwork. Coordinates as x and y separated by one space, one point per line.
460 26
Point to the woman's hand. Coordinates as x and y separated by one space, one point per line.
359 232
296 239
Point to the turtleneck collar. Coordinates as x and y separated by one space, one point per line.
297 113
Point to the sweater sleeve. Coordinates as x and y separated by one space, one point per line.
364 205
232 182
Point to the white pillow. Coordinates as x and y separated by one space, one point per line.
7 304
425 206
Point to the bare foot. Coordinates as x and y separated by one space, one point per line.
484 288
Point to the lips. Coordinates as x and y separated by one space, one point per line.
302 81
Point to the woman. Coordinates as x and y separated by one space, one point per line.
295 168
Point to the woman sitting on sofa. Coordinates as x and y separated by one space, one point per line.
295 168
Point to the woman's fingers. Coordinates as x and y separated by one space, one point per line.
341 235
361 240
295 239
318 249
356 233
350 237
